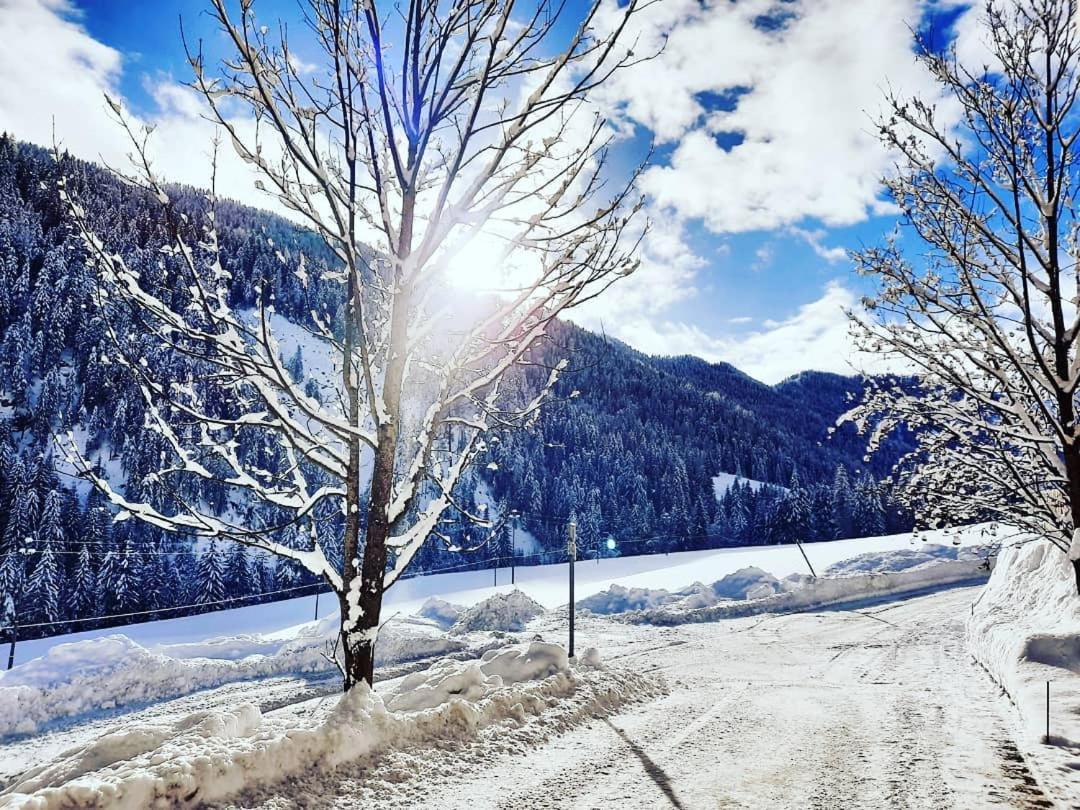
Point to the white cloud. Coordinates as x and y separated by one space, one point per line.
815 337
763 257
52 70
814 239
665 277
810 91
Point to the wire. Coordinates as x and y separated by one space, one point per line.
166 609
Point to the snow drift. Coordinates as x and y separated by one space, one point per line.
507 612
1025 630
210 756
440 611
111 671
750 591
746 583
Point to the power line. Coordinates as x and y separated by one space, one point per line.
166 609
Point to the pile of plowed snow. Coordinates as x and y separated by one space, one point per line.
440 611
746 583
507 612
210 756
112 671
751 590
1025 629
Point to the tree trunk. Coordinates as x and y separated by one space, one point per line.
360 652
359 655
1072 468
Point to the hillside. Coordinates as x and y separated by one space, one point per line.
631 456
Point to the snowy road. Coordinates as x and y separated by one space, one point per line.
839 709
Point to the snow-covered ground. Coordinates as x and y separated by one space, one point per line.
210 755
871 703
880 707
547 584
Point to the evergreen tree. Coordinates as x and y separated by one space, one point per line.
237 573
843 506
124 588
44 584
295 365
210 575
83 601
869 516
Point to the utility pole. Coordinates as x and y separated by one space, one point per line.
571 548
14 633
513 543
9 617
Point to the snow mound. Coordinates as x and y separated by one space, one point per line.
113 671
619 599
882 562
211 756
746 583
440 611
1025 630
473 680
508 612
869 576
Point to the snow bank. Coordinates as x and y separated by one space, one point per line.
507 612
111 671
476 679
868 576
210 756
620 599
440 611
882 562
1025 630
746 583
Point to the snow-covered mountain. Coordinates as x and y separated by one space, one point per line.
632 457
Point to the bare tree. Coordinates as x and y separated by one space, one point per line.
985 307
426 124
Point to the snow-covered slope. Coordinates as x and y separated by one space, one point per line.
113 671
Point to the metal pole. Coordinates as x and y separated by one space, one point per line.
513 546
316 605
571 548
1047 711
14 633
808 565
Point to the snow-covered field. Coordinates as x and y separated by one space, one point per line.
220 707
79 674
547 584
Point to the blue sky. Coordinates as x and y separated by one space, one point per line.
765 166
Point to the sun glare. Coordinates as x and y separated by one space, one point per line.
480 266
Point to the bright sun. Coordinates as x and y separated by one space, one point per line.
480 266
